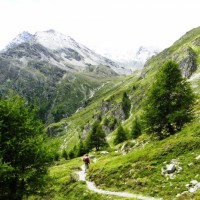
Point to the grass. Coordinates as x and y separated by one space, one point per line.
63 184
140 170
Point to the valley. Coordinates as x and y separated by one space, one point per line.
82 95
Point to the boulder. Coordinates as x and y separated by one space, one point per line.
171 168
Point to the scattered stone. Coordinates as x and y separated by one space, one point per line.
190 164
104 152
194 182
198 157
171 168
193 186
178 195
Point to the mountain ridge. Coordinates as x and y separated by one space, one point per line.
66 49
42 71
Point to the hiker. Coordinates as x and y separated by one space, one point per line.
86 160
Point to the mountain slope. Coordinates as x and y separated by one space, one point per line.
53 71
68 54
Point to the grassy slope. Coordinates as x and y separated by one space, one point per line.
73 125
63 184
140 170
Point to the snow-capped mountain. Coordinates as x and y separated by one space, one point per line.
21 38
131 59
65 51
145 53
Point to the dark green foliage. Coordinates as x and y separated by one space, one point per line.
23 154
71 154
64 154
120 136
136 129
169 102
56 156
126 105
96 138
81 149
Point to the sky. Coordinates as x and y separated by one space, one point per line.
116 25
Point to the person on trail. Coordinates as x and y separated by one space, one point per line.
86 160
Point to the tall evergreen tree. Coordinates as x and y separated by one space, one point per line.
81 149
169 102
120 136
126 105
23 155
96 138
136 129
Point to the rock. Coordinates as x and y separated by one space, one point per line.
178 195
187 185
193 186
171 168
194 182
198 157
190 164
104 152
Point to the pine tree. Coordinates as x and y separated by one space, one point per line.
126 104
81 149
120 136
169 102
96 138
64 154
24 157
136 129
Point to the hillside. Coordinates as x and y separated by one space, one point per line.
53 71
142 167
137 84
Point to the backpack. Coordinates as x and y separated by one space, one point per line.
86 160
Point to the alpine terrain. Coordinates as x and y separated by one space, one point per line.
54 71
140 127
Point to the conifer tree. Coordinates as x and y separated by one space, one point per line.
169 102
24 157
126 104
96 138
120 136
64 154
81 149
136 129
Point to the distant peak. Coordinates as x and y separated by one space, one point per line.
19 39
51 31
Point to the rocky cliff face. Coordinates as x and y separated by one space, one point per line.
184 51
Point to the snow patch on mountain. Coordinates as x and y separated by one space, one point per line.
21 38
145 53
132 59
54 40
63 51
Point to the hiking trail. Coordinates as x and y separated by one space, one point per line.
91 186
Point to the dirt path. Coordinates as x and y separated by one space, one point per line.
91 186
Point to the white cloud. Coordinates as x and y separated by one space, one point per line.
117 24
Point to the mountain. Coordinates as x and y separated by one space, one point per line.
145 53
67 53
130 59
54 71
